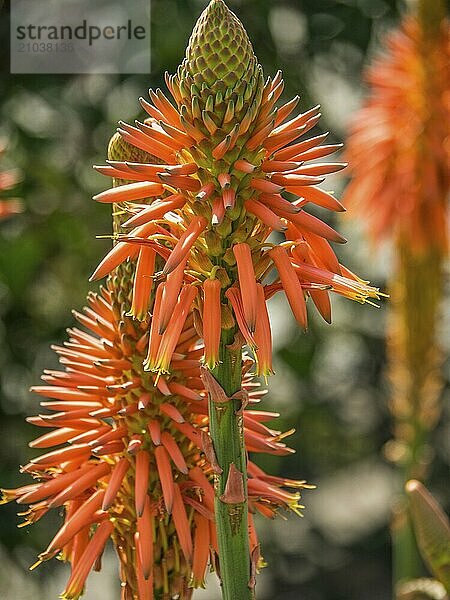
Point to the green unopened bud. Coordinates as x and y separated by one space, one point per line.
119 149
223 277
227 319
225 228
214 242
220 69
219 47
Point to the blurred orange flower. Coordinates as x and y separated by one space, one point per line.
399 144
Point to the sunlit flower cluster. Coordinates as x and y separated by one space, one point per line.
230 172
210 202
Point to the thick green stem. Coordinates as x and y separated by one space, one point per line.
431 14
406 560
226 430
415 359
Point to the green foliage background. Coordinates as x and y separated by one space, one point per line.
329 383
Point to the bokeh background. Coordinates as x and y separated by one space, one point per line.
329 383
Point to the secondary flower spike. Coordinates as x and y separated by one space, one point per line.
239 153
131 462
402 184
400 187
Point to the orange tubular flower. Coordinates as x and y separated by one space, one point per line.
170 337
184 244
247 283
211 321
290 283
145 269
9 208
263 336
228 156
